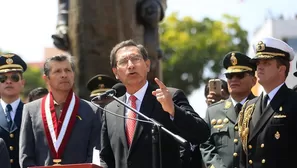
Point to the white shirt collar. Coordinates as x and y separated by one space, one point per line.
272 93
235 102
139 95
14 106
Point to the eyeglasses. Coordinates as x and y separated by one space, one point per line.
124 62
239 75
13 77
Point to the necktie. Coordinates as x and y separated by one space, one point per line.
238 107
8 110
130 124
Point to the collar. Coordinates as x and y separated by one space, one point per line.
139 94
14 104
235 102
273 92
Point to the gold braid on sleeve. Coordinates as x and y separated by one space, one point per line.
243 123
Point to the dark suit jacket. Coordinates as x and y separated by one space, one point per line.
223 147
34 148
11 136
272 137
4 156
115 152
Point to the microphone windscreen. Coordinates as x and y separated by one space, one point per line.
120 89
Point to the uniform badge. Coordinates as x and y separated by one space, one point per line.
233 59
226 120
99 78
280 108
9 61
220 121
227 104
277 135
260 46
8 55
213 122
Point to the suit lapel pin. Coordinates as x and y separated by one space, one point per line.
277 135
78 117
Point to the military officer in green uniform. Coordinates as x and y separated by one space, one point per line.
223 147
268 124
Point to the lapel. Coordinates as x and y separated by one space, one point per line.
273 107
18 118
121 121
230 111
146 108
3 121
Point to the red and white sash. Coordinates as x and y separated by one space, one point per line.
58 131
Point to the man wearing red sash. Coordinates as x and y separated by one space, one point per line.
59 128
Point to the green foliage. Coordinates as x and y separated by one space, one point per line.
33 79
192 48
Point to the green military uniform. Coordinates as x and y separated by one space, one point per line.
223 147
269 134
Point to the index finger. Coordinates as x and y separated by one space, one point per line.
160 83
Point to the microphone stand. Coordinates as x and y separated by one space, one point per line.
156 138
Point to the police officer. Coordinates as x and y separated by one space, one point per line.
268 124
222 149
98 85
11 85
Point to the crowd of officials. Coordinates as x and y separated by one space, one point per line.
240 130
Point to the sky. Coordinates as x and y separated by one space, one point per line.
27 26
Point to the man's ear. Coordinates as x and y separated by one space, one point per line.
114 70
148 64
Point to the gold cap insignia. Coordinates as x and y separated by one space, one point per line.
260 46
233 59
280 108
101 86
9 61
99 78
8 55
277 135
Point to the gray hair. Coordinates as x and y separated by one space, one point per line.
58 58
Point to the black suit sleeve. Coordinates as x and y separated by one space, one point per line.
4 156
188 123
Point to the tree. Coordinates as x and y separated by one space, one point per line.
193 49
33 79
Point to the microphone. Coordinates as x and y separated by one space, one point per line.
117 90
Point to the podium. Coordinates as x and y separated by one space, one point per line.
83 165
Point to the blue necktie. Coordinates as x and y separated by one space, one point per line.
8 110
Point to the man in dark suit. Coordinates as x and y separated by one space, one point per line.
4 159
59 128
127 143
267 124
11 84
223 147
